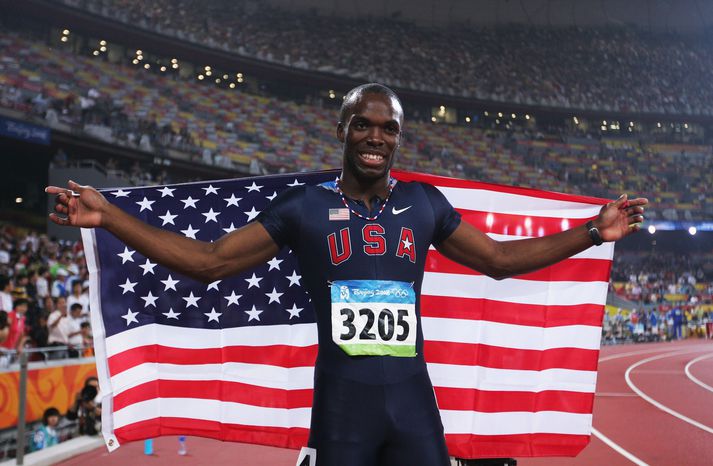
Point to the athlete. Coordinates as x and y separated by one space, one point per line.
361 242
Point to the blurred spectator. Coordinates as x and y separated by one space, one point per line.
5 294
74 330
85 409
16 320
79 295
87 340
46 435
59 327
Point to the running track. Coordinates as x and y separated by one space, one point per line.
654 406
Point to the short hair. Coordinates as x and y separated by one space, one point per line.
48 413
20 302
355 94
84 325
75 306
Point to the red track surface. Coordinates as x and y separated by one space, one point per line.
651 435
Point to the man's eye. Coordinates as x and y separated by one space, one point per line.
360 125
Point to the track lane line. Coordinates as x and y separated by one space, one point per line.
693 378
609 442
662 407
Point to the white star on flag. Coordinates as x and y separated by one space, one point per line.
272 196
274 296
145 204
148 267
214 285
294 311
130 317
253 281
167 218
120 193
252 213
126 255
166 191
128 286
190 232
233 298
295 183
150 300
232 200
211 216
253 187
210 190
171 314
170 283
274 263
254 314
230 229
191 300
294 278
189 202
212 315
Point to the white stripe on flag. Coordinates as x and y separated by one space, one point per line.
509 335
508 380
603 252
516 204
295 378
212 410
510 423
514 290
299 335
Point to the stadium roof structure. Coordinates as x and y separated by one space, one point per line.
683 16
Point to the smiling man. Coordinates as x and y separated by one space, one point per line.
361 241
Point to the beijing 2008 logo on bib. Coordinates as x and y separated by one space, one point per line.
374 317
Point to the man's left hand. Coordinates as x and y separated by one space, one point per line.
620 218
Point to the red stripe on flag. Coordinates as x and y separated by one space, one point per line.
501 188
465 399
516 225
275 355
294 437
568 270
512 313
467 354
232 392
507 446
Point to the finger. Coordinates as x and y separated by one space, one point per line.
76 187
59 220
55 190
621 202
638 201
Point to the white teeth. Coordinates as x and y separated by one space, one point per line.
372 156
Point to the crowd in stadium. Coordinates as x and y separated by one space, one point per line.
610 68
260 134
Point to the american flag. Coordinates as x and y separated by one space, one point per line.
513 362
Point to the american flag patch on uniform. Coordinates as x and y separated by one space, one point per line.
338 214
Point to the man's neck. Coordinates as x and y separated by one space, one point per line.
364 190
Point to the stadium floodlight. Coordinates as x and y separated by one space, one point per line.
201 77
139 52
513 116
692 230
467 119
65 32
102 42
485 113
232 85
652 229
147 66
527 117
18 200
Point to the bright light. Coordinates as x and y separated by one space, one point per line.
102 42
604 128
139 57
489 220
64 39
135 61
685 125
239 75
207 68
433 119
497 121
528 223
658 125
500 114
163 68
225 76
217 80
513 116
174 66
576 120
692 230
631 123
232 85
565 224
652 229
485 113
241 80
467 119
65 32
604 122
139 52
18 200
102 48
527 117
442 108
208 73
95 53
201 77
174 60
147 66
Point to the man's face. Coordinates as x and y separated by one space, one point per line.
371 135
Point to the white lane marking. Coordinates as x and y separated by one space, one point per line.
687 369
613 445
661 406
617 448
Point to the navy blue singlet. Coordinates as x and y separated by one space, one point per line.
334 245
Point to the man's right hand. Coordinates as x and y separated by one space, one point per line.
81 206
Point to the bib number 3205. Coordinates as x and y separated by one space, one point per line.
374 317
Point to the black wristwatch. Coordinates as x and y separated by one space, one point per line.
594 233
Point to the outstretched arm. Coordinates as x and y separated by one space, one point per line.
84 206
501 259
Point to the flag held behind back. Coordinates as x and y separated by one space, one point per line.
513 362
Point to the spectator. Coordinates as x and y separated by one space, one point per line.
87 340
74 332
78 295
16 320
46 435
85 409
5 294
59 327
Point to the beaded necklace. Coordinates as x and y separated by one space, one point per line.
392 183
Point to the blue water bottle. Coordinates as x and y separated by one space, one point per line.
182 450
148 446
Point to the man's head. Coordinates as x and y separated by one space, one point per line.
76 310
20 305
60 303
370 124
77 287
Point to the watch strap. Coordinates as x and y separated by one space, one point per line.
594 233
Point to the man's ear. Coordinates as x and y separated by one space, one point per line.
340 132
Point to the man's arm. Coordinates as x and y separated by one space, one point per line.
84 206
501 259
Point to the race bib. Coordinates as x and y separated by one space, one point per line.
374 317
